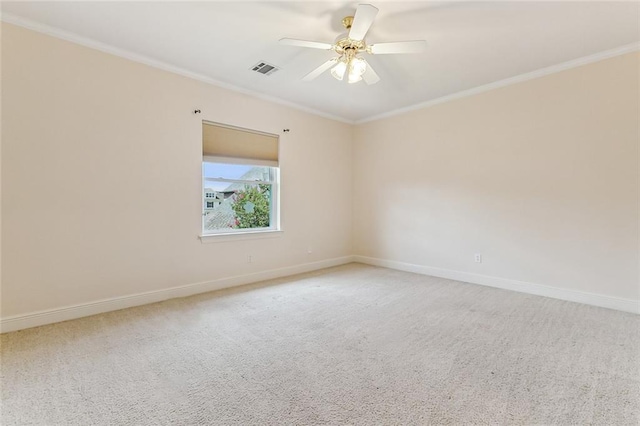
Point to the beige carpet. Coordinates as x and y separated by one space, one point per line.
348 345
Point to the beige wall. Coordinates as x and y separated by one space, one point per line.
541 178
101 180
101 177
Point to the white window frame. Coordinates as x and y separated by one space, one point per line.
274 214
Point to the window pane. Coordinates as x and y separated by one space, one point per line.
237 206
236 171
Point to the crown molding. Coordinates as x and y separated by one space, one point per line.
126 54
106 48
622 50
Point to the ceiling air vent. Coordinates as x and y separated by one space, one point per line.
264 68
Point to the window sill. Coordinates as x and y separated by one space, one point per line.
239 236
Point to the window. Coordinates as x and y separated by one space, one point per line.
239 181
243 197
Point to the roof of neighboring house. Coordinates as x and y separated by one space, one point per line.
253 174
222 216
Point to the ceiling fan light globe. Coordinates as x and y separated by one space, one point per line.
354 78
359 66
338 71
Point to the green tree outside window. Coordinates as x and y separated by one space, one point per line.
251 206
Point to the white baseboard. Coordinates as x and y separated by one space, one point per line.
617 303
35 319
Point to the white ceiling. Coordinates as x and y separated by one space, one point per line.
469 43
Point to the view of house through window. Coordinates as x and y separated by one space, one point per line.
238 197
239 179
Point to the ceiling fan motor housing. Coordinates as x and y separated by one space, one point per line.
343 44
349 45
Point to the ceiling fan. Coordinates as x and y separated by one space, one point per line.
351 44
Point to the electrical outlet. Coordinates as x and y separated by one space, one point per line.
478 258
249 259
309 250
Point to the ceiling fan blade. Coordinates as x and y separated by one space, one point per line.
362 20
370 77
322 68
305 43
415 46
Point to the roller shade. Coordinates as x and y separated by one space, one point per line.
239 144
